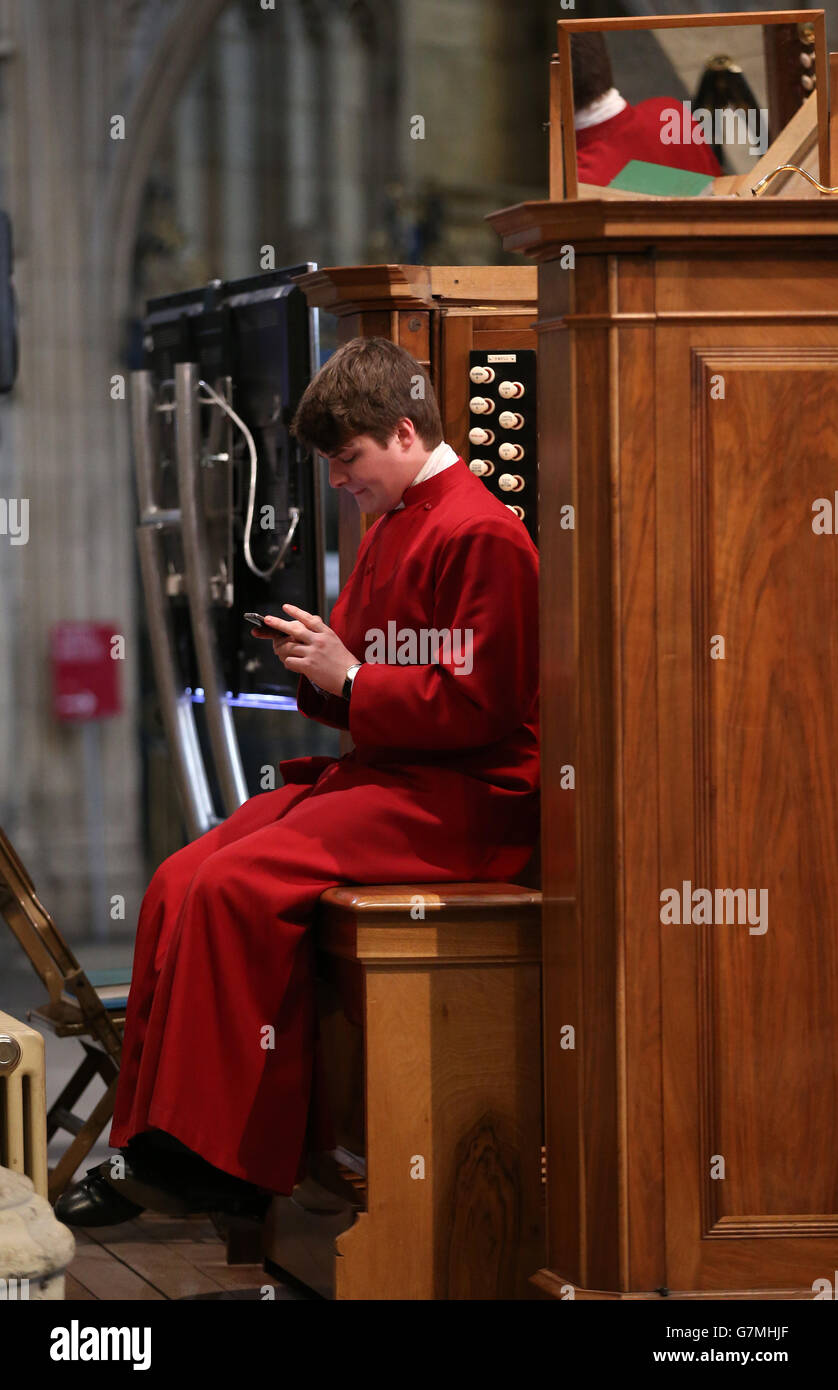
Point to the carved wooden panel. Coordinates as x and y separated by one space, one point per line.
748 663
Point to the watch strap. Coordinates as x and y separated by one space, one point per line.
350 676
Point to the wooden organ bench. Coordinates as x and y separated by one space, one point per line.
430 1018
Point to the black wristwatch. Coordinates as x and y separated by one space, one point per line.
350 676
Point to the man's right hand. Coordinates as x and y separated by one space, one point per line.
279 639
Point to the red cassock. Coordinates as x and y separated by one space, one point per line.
635 133
442 785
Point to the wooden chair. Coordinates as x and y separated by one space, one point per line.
82 1015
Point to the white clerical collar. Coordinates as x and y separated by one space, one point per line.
603 109
441 457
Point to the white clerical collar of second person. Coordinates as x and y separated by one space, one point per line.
441 457
605 108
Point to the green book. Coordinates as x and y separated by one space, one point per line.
639 177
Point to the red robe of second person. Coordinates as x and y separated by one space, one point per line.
636 132
442 785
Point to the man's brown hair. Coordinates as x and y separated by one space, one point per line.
366 387
590 68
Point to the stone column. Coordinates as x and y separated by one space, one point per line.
73 193
191 165
300 102
72 457
348 159
237 153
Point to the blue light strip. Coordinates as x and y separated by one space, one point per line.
272 702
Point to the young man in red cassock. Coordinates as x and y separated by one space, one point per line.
610 132
430 661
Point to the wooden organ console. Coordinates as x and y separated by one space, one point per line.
688 406
431 1029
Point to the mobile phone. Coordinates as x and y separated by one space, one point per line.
256 620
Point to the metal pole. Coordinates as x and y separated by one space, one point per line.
219 715
176 706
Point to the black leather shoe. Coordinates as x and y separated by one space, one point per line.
176 1195
185 1186
102 1199
93 1202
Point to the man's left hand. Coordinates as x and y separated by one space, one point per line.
306 645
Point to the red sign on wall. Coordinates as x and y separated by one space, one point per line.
84 671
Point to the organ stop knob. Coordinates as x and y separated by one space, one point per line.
484 468
510 482
511 390
481 405
511 453
481 375
478 435
510 420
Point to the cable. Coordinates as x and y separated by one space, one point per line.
293 512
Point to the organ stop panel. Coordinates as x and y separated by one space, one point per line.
472 327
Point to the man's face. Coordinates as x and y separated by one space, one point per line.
377 475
